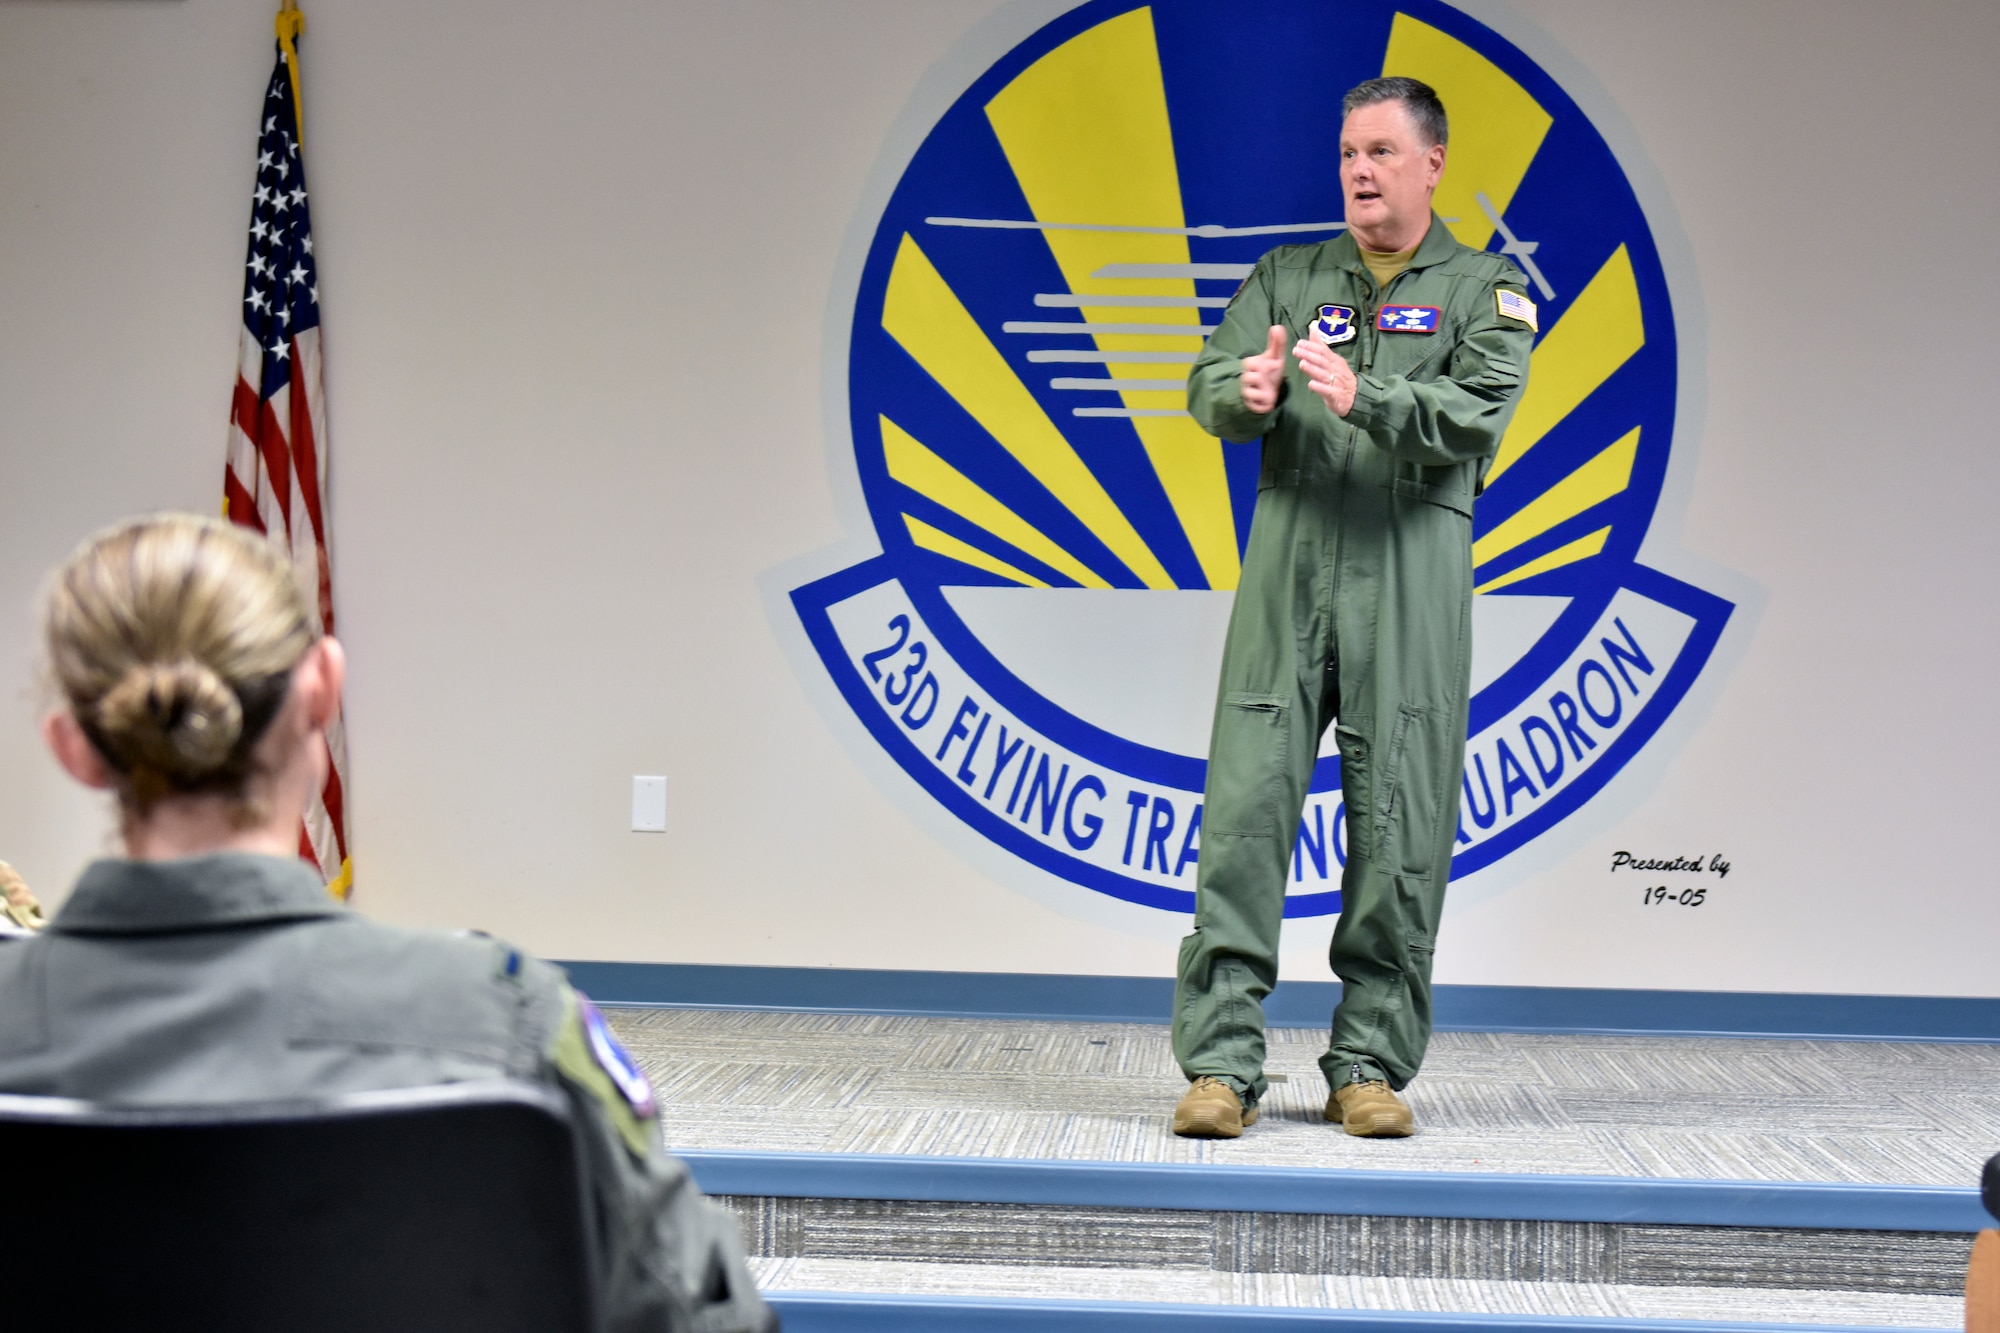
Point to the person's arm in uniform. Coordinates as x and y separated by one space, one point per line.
1463 413
18 906
1215 385
671 1259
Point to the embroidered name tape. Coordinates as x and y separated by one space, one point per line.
1335 324
623 1071
1408 319
1516 306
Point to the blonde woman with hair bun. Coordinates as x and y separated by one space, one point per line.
209 964
191 684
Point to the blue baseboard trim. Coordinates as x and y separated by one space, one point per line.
1270 1189
1293 1003
840 1312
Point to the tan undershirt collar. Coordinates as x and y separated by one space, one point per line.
1385 265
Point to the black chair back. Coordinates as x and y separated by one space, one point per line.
435 1209
1989 1186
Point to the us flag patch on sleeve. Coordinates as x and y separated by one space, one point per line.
1516 306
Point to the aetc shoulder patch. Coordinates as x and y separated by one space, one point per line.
612 1058
1035 644
1335 324
588 1055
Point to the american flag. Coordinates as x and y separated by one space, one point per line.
275 478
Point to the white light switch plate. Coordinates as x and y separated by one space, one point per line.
649 805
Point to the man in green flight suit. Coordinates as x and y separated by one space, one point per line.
1407 353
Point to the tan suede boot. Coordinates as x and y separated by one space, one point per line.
1212 1110
1370 1111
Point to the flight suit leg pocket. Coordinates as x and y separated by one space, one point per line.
1355 790
1422 948
1248 762
1410 797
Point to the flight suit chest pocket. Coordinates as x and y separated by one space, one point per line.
1414 356
1248 762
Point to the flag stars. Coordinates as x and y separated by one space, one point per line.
282 286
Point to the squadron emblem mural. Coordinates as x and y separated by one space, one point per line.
1037 643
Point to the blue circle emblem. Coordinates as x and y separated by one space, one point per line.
1037 644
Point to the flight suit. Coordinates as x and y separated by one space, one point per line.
1355 609
235 977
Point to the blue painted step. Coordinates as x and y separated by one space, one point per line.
1292 1004
815 1312
1271 1189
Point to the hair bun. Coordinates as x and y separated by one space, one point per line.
177 718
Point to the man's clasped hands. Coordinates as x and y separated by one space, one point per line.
1327 374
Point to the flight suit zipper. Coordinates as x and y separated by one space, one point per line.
1333 575
1368 311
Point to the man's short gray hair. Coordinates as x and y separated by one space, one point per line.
1419 97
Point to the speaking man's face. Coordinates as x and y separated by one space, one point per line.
1387 174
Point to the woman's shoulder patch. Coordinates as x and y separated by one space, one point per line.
585 1053
616 1061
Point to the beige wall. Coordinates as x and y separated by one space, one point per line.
576 261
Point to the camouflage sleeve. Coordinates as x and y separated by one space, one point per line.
1462 413
669 1258
18 905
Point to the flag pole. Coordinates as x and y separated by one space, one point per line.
291 25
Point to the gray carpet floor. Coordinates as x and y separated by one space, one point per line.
1715 1108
